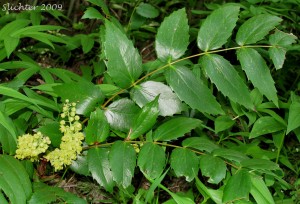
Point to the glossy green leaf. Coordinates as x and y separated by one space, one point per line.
217 27
80 165
147 10
121 114
259 164
237 187
174 128
124 64
52 131
223 122
122 158
200 143
14 180
168 102
258 72
152 160
266 125
92 13
260 191
97 129
172 36
294 116
44 194
230 154
256 28
185 163
192 90
226 78
280 41
86 95
98 164
145 120
213 167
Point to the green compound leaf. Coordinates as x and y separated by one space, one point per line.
213 167
294 116
14 180
266 125
122 158
152 160
124 64
192 90
185 163
98 164
260 191
172 36
121 114
145 120
174 128
280 40
98 127
147 10
200 143
217 27
44 194
256 28
258 72
168 102
85 94
226 78
238 187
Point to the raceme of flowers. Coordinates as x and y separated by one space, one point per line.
30 146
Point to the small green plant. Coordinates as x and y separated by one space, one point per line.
214 118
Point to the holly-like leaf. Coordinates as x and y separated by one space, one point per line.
266 125
258 72
217 27
145 119
85 94
98 127
152 160
174 128
124 64
121 114
256 28
280 41
213 167
122 158
226 78
237 187
168 102
192 90
172 36
185 163
99 166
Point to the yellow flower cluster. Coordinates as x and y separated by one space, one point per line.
30 146
71 144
